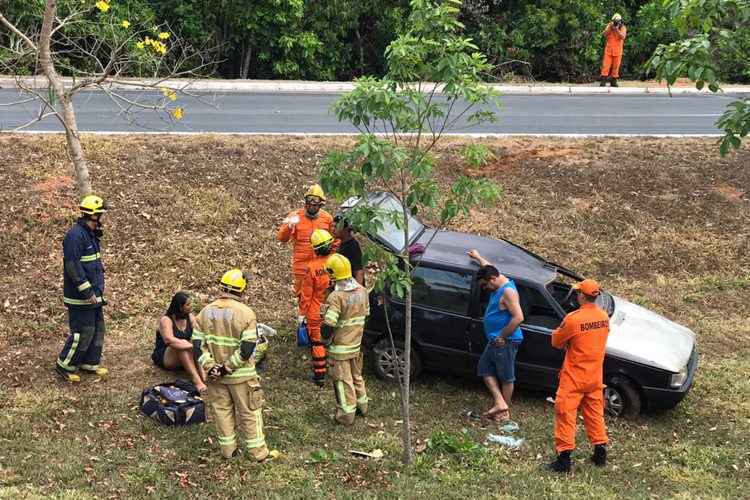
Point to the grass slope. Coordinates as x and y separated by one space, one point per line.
663 223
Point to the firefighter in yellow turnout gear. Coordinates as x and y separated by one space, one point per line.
225 337
344 314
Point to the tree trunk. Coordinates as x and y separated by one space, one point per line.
361 53
405 409
75 149
405 389
247 56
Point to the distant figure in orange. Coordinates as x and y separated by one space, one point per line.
615 33
583 334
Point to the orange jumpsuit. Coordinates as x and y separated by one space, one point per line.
313 293
583 333
613 50
303 251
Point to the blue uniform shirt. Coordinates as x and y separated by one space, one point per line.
83 272
495 319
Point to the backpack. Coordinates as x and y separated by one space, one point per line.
174 403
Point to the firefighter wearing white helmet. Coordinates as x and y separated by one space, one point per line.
225 338
344 315
83 293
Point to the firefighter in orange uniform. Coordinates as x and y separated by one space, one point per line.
615 33
313 293
299 225
583 334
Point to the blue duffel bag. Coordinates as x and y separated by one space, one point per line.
174 403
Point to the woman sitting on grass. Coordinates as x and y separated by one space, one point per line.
173 349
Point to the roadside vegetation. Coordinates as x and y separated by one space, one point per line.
554 40
661 222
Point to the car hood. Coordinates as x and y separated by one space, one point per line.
642 336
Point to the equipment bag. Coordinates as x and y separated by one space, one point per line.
303 339
173 403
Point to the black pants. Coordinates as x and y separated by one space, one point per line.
83 347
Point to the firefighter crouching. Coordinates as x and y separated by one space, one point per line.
225 338
583 334
313 293
83 291
344 314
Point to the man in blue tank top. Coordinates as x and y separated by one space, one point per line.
502 319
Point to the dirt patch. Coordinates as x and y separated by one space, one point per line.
731 193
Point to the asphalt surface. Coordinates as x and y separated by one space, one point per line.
238 112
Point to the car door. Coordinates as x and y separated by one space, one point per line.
537 363
441 298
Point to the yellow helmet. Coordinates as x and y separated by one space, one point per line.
316 190
92 204
234 281
320 238
339 267
617 17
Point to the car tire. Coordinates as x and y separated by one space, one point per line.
384 361
621 399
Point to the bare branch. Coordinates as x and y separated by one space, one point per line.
18 32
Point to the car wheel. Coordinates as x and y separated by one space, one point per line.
385 363
621 399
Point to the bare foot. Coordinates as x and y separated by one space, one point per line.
494 410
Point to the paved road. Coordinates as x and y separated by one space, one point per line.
309 113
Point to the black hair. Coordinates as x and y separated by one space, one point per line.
324 250
178 300
341 222
487 273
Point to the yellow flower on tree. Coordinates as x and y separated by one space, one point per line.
178 113
163 35
169 94
102 5
125 24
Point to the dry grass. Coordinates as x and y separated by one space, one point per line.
661 222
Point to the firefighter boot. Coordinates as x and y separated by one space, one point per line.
602 81
67 376
600 455
99 371
613 82
561 464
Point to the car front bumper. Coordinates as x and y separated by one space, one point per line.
661 398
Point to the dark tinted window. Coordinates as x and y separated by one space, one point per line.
536 308
440 289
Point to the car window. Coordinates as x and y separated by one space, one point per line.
537 311
442 289
560 290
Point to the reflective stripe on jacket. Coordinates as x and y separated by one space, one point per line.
220 329
83 272
303 253
346 311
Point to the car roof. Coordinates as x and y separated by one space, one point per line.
450 247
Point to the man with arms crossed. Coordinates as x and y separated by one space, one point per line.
501 327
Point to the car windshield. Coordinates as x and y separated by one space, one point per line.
389 233
560 290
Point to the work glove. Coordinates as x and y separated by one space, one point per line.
291 221
217 372
265 331
301 320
